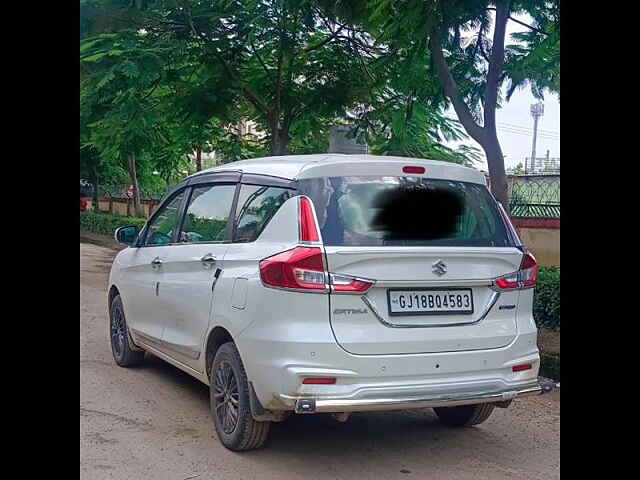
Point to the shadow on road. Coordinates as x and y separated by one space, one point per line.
408 432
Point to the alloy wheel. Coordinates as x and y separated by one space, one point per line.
226 397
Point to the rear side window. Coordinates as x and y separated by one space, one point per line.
377 211
207 214
257 204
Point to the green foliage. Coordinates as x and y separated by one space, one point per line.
204 229
546 300
105 223
531 57
161 79
535 59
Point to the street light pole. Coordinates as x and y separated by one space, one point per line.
537 110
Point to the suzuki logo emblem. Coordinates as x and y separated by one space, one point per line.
439 268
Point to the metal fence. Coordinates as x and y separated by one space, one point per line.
124 192
530 195
534 196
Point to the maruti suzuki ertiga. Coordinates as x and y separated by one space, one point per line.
331 284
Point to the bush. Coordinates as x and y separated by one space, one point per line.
105 223
546 300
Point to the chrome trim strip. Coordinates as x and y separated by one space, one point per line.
188 352
403 403
482 282
490 303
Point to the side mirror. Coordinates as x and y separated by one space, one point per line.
126 235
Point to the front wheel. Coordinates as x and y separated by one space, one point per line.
229 394
464 415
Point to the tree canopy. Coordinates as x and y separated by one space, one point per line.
162 80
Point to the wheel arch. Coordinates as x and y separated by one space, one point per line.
113 292
217 337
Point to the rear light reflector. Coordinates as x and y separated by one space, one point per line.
525 277
348 284
520 368
308 229
301 268
319 381
413 169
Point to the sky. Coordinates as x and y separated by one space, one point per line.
515 116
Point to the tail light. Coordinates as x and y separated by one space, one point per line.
525 277
307 221
348 284
301 268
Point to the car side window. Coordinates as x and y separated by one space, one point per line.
257 204
207 214
161 229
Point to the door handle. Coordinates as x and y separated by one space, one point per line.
208 261
156 263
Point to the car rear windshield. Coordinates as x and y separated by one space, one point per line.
397 211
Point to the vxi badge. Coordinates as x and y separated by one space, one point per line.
349 311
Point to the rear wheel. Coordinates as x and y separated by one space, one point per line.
464 415
124 352
229 394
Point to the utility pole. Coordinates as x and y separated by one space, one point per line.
537 110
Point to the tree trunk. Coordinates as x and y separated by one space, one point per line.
198 159
486 134
94 194
137 208
279 141
497 175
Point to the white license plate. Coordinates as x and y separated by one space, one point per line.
426 301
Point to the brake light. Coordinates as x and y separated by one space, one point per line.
301 268
308 229
525 277
348 284
413 169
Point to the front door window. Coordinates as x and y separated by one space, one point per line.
162 228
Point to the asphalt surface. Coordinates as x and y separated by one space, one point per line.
152 422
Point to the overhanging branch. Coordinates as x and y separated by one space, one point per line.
451 87
530 27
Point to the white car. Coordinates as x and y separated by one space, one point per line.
331 284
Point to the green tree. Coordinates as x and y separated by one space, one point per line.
163 79
472 68
122 72
286 60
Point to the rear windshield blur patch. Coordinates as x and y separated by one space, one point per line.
377 211
417 213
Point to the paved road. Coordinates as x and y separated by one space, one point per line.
152 422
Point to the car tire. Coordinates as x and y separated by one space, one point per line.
229 401
124 352
464 415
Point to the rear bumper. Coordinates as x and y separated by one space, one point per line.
335 405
